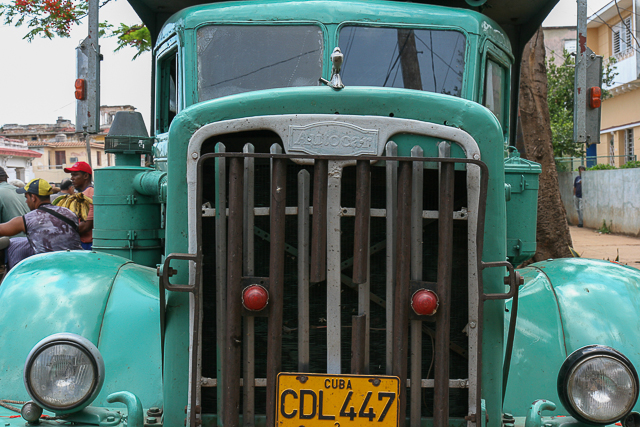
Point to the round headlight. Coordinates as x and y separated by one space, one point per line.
598 385
64 373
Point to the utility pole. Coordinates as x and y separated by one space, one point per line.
587 96
88 80
580 93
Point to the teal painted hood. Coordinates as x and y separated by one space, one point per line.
567 304
106 299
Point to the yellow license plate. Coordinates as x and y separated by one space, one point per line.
336 400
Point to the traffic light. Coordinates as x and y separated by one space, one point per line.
87 88
87 85
81 89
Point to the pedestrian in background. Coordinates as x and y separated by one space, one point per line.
66 189
48 228
577 194
12 204
81 174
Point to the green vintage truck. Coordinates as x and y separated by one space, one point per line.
324 236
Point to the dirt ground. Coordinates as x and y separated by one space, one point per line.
591 244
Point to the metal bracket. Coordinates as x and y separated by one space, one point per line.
166 271
514 280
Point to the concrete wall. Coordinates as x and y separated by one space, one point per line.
609 195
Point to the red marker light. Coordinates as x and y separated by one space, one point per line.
424 302
81 85
255 297
595 97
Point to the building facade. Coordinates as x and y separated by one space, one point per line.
60 146
17 159
557 40
612 32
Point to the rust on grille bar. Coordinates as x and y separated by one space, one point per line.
417 199
363 218
221 270
443 289
248 369
358 334
234 293
303 271
318 271
391 204
403 279
276 281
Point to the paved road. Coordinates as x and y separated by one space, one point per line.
591 244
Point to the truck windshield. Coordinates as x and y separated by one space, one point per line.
240 58
430 60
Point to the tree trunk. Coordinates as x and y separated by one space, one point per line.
553 237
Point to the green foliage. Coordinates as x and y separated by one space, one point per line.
562 166
50 18
560 99
601 166
136 36
560 83
631 164
604 229
45 18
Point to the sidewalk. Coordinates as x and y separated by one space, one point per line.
591 244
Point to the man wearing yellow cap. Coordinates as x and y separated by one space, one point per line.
48 228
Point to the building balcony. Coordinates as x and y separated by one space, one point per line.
627 79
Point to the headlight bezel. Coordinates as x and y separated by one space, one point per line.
577 359
83 345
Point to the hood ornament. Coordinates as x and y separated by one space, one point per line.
336 81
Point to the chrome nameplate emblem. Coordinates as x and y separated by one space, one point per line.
332 138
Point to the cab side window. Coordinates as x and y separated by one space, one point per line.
167 91
494 89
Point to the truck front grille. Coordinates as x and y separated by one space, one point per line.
341 244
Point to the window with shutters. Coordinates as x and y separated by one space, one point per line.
622 36
628 146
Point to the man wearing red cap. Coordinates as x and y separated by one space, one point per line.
81 179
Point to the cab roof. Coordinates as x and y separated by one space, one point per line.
519 19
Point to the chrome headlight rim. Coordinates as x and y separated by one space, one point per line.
82 344
575 360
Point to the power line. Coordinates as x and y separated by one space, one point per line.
263 68
625 23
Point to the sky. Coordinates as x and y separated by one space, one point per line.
565 12
37 78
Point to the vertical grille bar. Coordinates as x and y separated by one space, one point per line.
416 274
318 271
303 270
363 212
361 254
248 374
234 293
276 281
443 289
334 270
221 275
359 330
476 196
392 206
403 287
